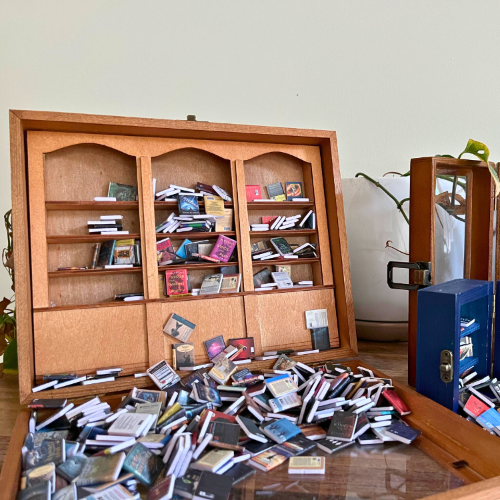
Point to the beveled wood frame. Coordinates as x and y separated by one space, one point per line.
143 139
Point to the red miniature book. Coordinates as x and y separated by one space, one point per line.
475 407
248 353
253 193
268 219
176 281
399 405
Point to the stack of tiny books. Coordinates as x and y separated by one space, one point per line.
199 437
107 225
282 222
281 249
275 191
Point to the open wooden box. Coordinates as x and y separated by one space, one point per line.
67 320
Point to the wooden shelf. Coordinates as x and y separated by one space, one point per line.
120 303
285 232
92 205
93 272
282 262
89 238
201 265
173 205
288 205
192 235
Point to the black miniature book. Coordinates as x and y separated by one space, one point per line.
262 277
224 432
239 472
213 487
320 338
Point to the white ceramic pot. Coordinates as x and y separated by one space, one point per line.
372 219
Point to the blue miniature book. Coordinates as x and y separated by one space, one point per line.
489 419
402 432
181 251
143 464
280 430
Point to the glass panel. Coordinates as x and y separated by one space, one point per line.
450 241
390 471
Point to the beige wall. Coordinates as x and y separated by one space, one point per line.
396 78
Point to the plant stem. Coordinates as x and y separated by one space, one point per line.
398 203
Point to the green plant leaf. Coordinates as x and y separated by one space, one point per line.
10 358
481 151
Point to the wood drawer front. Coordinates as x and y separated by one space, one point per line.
279 319
82 340
224 316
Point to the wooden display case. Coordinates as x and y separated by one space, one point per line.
67 320
60 162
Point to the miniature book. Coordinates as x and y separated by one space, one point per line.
253 192
248 353
281 245
320 338
282 280
106 253
214 205
165 252
230 283
179 327
223 249
122 192
183 355
177 282
104 469
188 204
280 430
293 190
306 465
143 463
214 346
163 375
275 191
225 223
211 284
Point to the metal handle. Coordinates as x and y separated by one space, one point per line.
421 276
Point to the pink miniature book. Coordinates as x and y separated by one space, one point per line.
223 248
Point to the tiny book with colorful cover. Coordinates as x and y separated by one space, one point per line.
342 426
223 248
106 253
188 205
280 430
399 405
181 251
214 346
293 190
179 327
230 283
275 191
103 469
183 355
404 433
177 282
253 192
144 464
214 205
249 352
122 192
165 251
269 459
